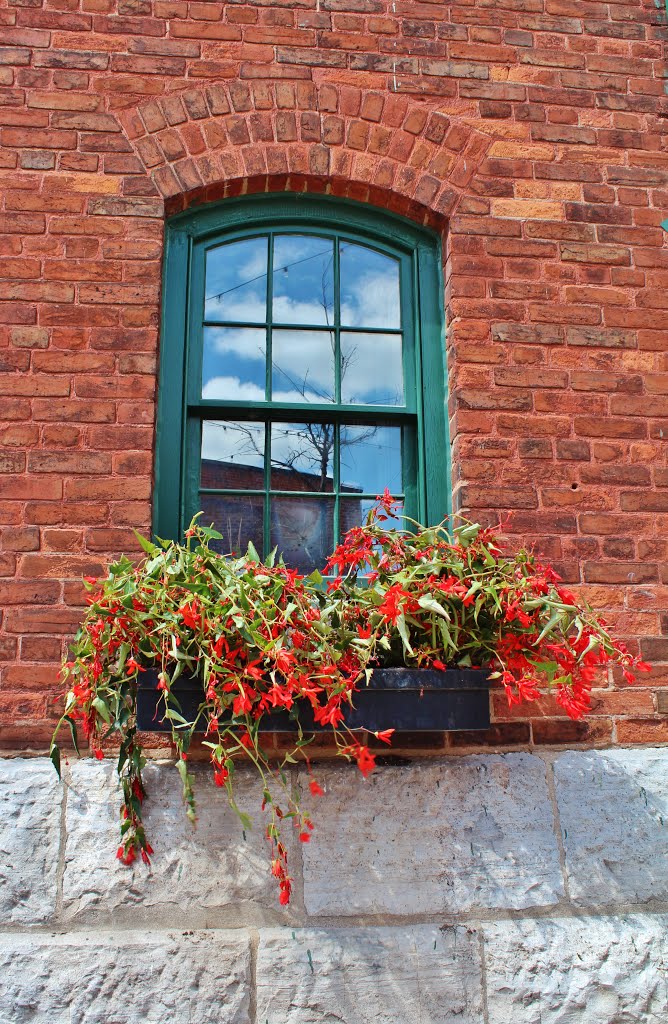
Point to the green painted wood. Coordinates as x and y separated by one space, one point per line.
181 409
171 381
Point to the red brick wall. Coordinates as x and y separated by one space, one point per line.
530 132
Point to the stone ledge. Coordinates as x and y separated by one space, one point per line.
196 872
452 837
449 839
30 809
420 974
613 809
129 977
594 970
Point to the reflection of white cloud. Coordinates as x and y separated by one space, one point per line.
369 288
369 296
304 360
372 369
303 367
245 307
301 311
372 300
234 390
246 343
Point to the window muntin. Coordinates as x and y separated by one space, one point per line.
302 359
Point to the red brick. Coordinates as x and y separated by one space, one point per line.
566 733
557 328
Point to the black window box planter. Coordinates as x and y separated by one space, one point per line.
415 700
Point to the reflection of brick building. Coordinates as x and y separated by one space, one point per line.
302 529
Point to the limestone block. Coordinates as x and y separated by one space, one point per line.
451 836
199 877
598 970
419 974
613 807
30 807
125 978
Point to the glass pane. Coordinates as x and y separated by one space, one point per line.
353 512
303 280
371 369
371 459
302 366
232 455
239 519
236 282
303 531
302 456
234 364
369 288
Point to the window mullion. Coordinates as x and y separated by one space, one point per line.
266 516
270 306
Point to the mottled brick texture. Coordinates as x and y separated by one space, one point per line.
530 132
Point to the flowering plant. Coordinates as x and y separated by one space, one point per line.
261 637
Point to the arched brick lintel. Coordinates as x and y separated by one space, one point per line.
226 139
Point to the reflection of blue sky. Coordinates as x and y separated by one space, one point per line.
371 458
303 285
233 362
236 281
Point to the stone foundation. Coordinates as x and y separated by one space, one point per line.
483 890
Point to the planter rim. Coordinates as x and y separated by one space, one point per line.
391 678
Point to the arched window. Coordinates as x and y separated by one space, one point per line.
301 373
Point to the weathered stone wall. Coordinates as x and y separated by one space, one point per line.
488 889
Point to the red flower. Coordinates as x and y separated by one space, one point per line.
366 761
190 616
385 735
392 606
316 790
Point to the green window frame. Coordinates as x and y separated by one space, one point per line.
183 411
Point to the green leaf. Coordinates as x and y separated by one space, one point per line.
403 633
174 716
252 552
149 548
54 754
554 619
430 604
73 731
102 709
